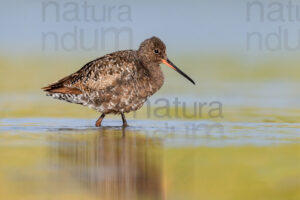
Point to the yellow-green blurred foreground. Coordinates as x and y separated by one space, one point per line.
47 159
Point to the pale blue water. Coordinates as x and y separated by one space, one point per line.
170 133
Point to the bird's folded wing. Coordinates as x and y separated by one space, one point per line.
102 73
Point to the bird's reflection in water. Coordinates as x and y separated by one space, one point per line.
112 163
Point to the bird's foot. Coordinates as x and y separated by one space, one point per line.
98 124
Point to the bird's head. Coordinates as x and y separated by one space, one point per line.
153 51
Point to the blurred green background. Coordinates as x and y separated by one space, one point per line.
43 41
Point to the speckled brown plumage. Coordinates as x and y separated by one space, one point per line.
116 83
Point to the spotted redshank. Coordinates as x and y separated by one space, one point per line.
116 83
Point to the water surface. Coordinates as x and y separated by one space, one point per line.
65 158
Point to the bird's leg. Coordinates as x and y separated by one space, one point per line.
99 121
124 120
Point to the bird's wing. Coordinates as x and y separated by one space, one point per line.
99 74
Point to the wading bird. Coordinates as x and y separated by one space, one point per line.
116 83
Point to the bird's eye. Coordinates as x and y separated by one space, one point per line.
156 51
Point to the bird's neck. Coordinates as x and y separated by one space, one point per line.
156 76
152 71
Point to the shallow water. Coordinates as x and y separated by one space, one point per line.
59 158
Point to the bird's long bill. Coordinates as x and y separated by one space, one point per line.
170 64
